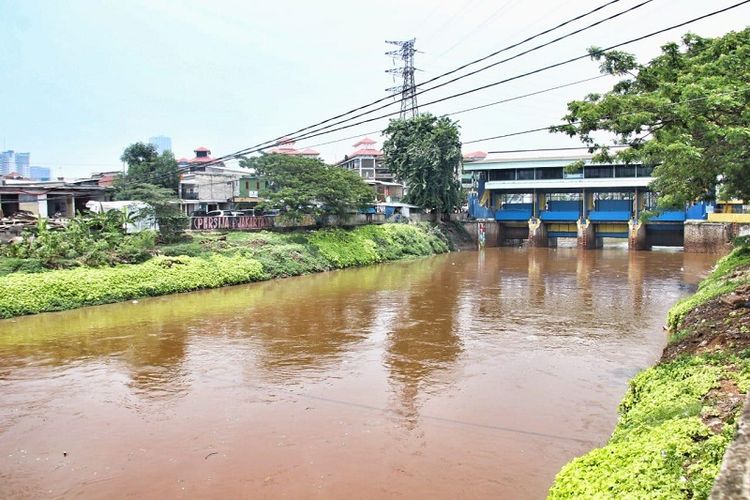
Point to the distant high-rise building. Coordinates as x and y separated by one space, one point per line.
23 168
11 162
40 174
161 142
6 162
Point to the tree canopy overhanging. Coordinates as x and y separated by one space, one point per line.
424 153
686 112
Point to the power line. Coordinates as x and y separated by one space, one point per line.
538 150
524 132
478 27
459 68
484 68
506 80
494 103
549 128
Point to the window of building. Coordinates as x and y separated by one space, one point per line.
525 174
504 198
625 171
563 196
502 175
591 172
645 171
612 196
549 173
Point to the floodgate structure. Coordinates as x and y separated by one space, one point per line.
538 200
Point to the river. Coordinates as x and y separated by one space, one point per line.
462 375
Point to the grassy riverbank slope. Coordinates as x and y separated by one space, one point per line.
215 260
678 417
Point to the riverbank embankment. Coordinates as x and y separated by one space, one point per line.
214 260
678 417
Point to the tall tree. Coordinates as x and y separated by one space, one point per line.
153 179
147 166
308 186
687 112
424 152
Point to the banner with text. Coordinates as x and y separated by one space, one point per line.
240 223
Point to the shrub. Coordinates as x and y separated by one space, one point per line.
660 448
280 261
207 263
715 285
94 240
10 265
187 249
67 289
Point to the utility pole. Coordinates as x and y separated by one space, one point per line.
408 88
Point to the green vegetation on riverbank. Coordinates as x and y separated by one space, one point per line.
678 417
215 260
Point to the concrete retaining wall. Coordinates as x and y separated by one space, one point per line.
707 237
734 478
491 232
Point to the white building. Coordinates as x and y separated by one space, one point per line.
367 162
213 188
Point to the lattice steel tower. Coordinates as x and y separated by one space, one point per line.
408 88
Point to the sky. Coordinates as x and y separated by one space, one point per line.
82 79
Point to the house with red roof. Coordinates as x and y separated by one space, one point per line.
199 161
286 147
367 161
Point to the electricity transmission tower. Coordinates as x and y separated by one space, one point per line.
408 88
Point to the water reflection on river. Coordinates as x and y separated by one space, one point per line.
471 374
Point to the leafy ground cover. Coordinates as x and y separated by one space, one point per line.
678 417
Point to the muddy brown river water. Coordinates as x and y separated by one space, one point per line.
463 375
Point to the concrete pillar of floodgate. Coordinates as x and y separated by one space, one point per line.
588 203
637 203
492 234
587 235
537 233
541 202
637 235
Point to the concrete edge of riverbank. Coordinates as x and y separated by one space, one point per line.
734 478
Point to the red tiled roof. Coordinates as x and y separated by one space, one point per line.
365 141
202 149
288 150
283 151
475 155
366 152
201 159
106 180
